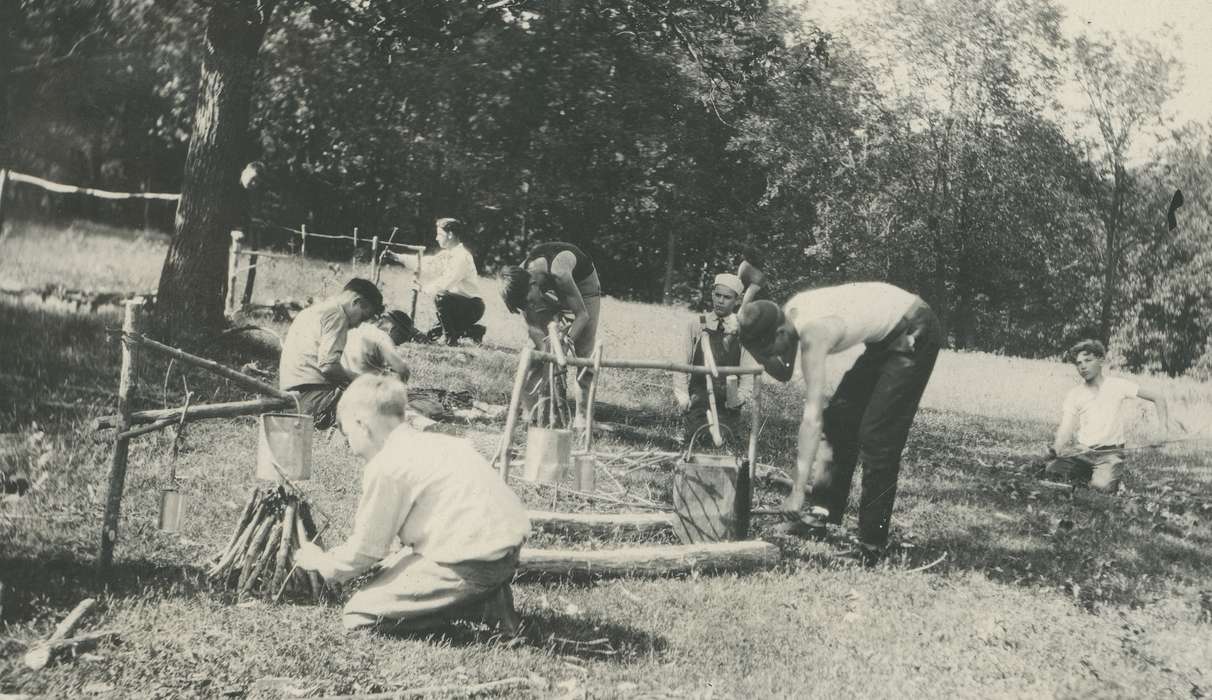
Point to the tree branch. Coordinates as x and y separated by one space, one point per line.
49 63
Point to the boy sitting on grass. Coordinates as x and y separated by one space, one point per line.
1094 410
461 525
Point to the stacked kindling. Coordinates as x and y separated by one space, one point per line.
259 557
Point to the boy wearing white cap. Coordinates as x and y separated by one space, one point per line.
719 327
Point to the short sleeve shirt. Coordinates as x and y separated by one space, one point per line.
1099 410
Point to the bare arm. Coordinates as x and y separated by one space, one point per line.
570 296
1159 404
815 342
754 281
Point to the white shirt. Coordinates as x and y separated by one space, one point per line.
366 348
437 495
315 340
868 310
1100 419
456 272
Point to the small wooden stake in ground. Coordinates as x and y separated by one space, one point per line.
233 263
117 463
511 416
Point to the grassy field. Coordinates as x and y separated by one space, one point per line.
1040 593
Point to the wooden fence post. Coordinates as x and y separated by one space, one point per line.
355 240
252 279
374 260
117 464
515 398
303 248
3 181
233 262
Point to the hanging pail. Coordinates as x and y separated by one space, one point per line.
172 509
285 440
710 497
583 466
548 454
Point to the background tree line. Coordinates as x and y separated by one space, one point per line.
926 147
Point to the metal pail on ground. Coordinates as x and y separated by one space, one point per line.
284 439
548 454
584 464
711 496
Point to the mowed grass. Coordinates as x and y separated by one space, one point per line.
1038 592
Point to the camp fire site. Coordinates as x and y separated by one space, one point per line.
614 349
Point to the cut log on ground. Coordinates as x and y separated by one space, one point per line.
664 560
505 685
599 524
40 654
259 557
46 653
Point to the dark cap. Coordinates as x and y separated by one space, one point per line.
368 291
757 321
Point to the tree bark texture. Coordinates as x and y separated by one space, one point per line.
192 282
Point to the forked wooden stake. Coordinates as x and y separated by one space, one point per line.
117 463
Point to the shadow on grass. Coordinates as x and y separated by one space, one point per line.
967 490
34 586
561 636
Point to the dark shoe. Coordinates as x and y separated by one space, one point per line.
434 333
476 333
498 611
864 554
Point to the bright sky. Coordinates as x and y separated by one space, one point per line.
1191 21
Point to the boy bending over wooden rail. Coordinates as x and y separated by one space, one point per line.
462 527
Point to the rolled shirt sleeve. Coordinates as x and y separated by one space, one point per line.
381 513
334 329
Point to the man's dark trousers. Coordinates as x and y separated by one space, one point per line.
869 418
457 314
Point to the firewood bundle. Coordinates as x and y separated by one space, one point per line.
259 557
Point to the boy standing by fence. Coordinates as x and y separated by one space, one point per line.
1093 412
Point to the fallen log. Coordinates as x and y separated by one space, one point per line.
505 685
40 654
599 524
43 654
663 560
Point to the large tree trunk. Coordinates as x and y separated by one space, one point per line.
1111 259
190 299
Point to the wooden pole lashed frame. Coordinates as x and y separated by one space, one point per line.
597 362
126 419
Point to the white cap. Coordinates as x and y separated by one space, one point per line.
730 281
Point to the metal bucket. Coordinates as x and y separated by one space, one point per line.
172 509
284 440
548 454
711 497
584 464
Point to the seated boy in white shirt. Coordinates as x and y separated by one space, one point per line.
371 348
1094 411
460 524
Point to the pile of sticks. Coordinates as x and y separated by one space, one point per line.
259 557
